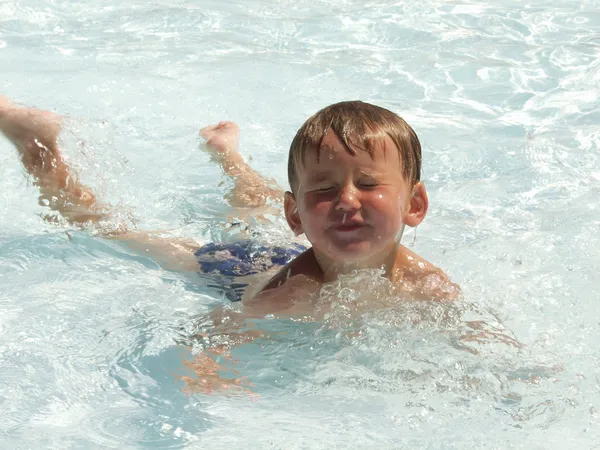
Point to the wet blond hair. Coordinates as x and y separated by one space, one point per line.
358 125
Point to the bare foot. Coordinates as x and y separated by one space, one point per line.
18 122
34 133
222 138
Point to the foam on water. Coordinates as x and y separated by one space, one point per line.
94 339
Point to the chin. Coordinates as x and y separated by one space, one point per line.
353 252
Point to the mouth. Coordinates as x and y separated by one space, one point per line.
348 226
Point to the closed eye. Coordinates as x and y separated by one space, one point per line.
369 184
324 189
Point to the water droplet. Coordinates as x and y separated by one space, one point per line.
344 218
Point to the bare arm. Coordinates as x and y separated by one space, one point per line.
251 189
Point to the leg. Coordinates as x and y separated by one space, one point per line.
34 133
250 190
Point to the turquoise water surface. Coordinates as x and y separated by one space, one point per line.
505 97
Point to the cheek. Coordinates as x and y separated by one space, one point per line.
317 203
384 199
313 213
388 206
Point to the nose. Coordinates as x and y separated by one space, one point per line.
348 198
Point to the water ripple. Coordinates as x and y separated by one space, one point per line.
504 97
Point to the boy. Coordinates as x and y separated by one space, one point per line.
354 172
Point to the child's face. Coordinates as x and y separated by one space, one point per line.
350 206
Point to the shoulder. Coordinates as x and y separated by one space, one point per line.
304 264
409 259
295 282
421 278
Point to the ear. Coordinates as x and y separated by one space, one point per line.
419 203
291 213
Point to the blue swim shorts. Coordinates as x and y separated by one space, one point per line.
238 259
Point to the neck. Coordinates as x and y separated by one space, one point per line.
332 269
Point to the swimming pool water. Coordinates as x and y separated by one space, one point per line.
505 99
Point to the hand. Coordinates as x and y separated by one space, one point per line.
227 329
209 381
222 137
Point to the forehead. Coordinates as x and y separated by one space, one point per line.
332 151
